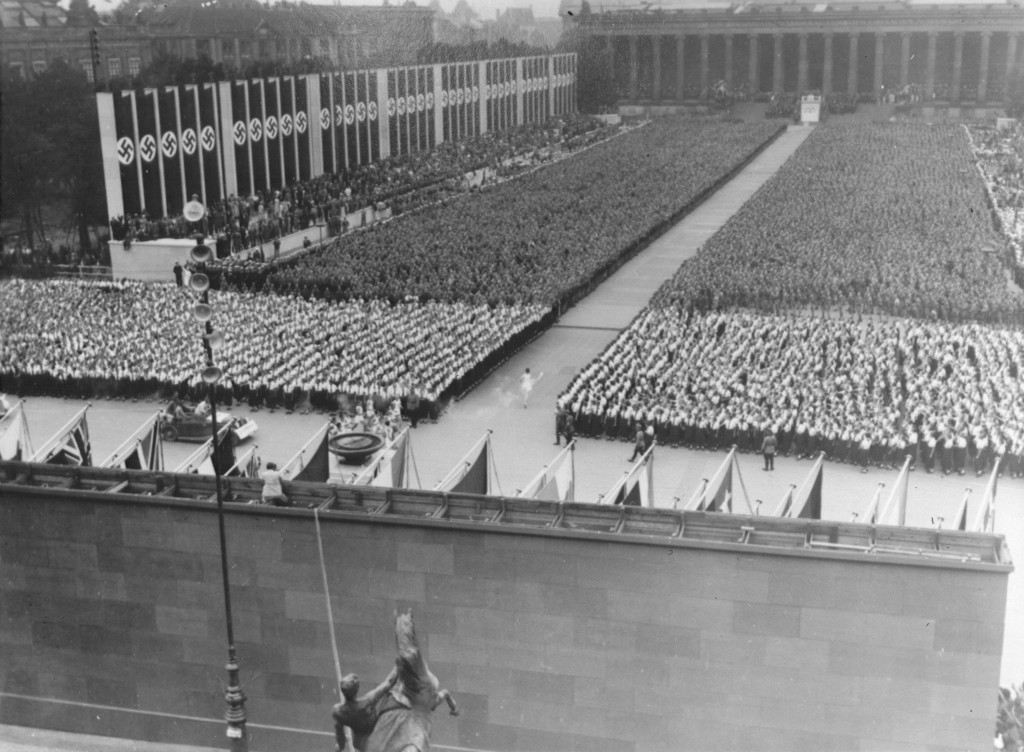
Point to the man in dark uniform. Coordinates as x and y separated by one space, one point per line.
178 273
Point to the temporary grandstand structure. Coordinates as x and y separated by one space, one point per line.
311 465
202 460
636 487
557 481
390 468
143 450
15 443
70 445
472 474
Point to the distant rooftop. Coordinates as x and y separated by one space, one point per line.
724 6
30 14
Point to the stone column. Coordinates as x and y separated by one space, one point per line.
703 65
777 82
986 40
1011 62
879 61
728 60
826 68
904 59
752 68
929 74
958 65
656 64
851 78
680 68
634 70
801 79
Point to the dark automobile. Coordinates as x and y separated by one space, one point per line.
197 429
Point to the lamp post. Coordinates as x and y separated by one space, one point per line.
213 340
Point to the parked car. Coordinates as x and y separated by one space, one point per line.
197 429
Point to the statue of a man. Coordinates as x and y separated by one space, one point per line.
394 717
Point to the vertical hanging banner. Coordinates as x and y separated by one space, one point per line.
190 151
301 123
210 143
272 132
149 153
479 96
390 115
379 81
351 92
258 135
340 125
129 161
372 112
240 139
286 126
112 167
329 160
226 137
169 165
446 126
315 129
409 77
362 121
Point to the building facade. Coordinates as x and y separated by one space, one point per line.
946 53
348 36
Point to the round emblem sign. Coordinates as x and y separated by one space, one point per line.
430 100
209 138
169 144
420 102
238 132
371 109
444 98
361 111
339 115
193 211
271 127
460 96
410 103
476 93
401 105
125 150
350 114
147 147
452 97
325 118
286 124
300 122
255 129
391 107
189 141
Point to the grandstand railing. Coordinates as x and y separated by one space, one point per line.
794 537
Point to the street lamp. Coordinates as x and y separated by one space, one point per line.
211 375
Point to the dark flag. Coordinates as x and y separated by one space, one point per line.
429 104
391 116
128 152
173 166
70 446
149 153
191 151
272 133
302 126
372 116
329 152
340 125
210 143
240 138
472 474
257 136
286 126
318 469
448 134
352 121
808 502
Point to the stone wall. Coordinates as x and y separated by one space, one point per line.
111 621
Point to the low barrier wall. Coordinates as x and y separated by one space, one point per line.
557 627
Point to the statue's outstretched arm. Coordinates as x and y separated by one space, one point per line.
381 689
445 696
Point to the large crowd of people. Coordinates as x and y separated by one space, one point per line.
1000 155
133 340
243 222
868 391
866 218
542 238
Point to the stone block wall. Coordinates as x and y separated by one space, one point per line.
112 622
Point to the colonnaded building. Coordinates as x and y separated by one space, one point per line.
950 53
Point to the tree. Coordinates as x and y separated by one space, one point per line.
80 13
50 149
